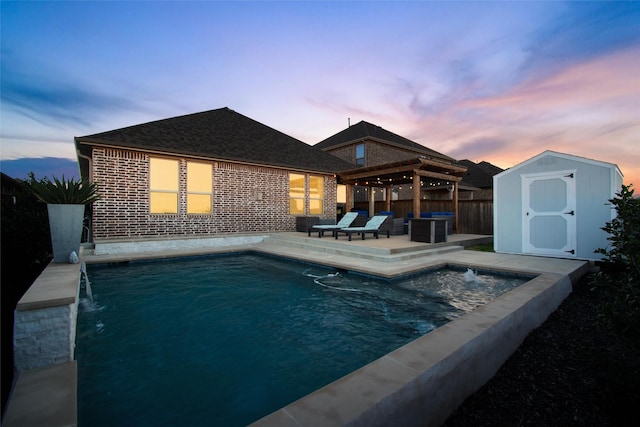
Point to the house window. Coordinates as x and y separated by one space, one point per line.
199 188
341 196
316 192
163 186
296 194
360 154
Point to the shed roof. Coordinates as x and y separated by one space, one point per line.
366 131
550 153
220 134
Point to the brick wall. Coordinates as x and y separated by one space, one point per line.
245 199
346 153
379 154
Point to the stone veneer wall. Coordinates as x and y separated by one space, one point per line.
45 319
44 336
245 199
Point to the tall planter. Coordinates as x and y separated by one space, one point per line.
65 222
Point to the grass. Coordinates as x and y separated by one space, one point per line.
488 247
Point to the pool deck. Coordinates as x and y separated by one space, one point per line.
386 257
379 392
397 255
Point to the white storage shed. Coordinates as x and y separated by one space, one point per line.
554 205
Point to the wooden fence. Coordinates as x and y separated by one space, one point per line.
474 216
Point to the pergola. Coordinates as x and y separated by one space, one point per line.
410 171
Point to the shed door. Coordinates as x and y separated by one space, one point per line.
549 204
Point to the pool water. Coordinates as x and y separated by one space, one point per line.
225 340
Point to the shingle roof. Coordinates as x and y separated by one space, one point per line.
479 174
364 130
221 134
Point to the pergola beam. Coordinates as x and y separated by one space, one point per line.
370 184
405 172
436 175
370 174
444 166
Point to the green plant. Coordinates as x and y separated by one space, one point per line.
481 248
620 275
64 191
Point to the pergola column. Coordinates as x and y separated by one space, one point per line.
387 204
416 195
372 202
349 197
455 206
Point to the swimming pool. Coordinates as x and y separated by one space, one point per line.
225 340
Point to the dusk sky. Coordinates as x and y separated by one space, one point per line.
493 81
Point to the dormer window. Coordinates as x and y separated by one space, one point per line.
360 154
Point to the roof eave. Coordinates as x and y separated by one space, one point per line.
167 152
417 150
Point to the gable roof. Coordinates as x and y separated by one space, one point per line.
363 130
549 153
220 134
479 174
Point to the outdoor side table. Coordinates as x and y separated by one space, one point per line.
428 230
304 223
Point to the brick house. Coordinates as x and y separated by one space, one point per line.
367 145
203 174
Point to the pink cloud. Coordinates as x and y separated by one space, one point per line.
591 109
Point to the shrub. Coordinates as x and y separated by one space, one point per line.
62 191
25 251
619 278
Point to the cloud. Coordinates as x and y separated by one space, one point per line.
41 167
578 109
511 47
53 99
479 149
603 84
583 31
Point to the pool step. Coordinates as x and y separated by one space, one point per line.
288 245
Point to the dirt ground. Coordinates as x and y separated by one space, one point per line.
573 370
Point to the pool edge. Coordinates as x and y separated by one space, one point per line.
424 381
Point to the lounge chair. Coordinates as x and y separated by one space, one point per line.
345 221
372 226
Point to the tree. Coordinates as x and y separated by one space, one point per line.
26 250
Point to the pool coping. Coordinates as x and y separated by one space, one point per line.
369 396
423 382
